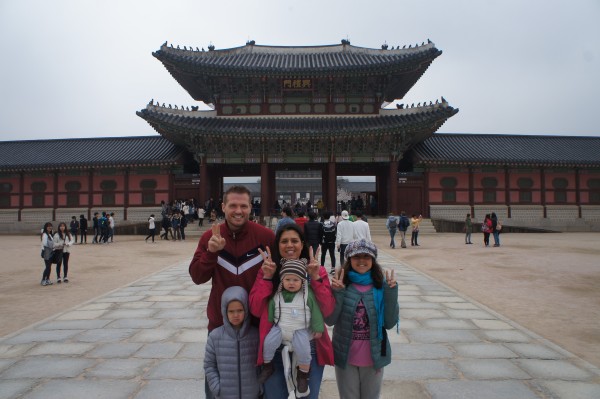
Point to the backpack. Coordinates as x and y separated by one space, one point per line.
393 223
404 223
329 231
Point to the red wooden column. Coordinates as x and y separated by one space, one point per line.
265 188
203 195
90 193
55 196
393 184
126 194
331 187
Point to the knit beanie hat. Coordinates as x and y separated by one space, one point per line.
361 246
296 267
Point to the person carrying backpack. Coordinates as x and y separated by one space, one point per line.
328 242
392 224
403 224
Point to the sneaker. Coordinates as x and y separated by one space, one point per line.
48 282
332 272
43 282
66 280
266 372
58 281
302 381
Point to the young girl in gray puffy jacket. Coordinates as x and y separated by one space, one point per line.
232 350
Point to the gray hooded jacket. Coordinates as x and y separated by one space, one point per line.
230 358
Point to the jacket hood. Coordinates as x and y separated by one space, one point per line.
235 294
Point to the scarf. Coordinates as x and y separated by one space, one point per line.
365 279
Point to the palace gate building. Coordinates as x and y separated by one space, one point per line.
312 114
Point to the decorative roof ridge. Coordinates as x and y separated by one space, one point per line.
251 47
513 135
71 139
401 109
175 110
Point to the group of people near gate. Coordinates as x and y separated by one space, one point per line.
56 244
490 226
402 224
271 300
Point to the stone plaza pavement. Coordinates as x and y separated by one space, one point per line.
146 340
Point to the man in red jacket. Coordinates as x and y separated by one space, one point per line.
228 254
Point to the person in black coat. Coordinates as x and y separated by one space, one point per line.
83 225
313 232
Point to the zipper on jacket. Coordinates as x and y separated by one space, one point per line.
239 367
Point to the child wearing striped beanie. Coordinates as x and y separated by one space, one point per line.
296 319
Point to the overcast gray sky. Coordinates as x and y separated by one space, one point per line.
78 68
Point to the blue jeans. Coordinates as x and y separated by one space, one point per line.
497 237
276 388
392 234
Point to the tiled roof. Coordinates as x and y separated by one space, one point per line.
487 149
403 67
85 153
254 60
171 125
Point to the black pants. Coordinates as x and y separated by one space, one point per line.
47 269
329 246
59 261
65 262
342 252
151 233
83 237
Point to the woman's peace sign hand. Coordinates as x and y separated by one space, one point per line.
268 267
337 281
389 277
216 242
313 264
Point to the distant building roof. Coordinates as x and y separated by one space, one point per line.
497 149
87 153
403 66
176 126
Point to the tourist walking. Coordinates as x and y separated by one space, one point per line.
344 234
111 227
201 214
183 222
361 228
151 228
96 228
74 227
468 229
403 225
62 240
47 252
414 224
496 229
290 244
486 229
366 305
83 226
286 218
328 241
392 225
239 242
313 231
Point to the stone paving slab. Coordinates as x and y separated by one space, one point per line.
146 340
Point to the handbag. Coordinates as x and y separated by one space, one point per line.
498 226
47 253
